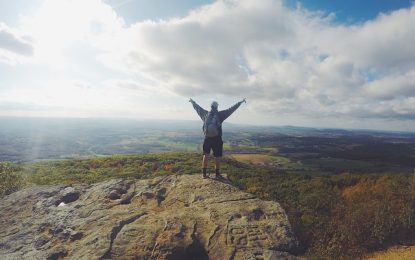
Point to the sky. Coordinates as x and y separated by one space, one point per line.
341 64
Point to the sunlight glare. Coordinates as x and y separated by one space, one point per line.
60 24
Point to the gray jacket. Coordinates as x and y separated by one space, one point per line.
224 114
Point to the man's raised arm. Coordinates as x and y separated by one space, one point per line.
200 111
226 113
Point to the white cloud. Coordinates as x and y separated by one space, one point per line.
384 44
290 62
284 60
392 86
14 45
10 41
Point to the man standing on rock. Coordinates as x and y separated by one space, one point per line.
212 128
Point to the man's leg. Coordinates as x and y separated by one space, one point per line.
205 164
206 151
217 166
217 152
205 160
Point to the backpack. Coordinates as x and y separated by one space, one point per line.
211 125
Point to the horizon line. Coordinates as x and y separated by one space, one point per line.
192 120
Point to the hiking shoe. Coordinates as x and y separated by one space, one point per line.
217 174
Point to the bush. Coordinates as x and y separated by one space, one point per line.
10 178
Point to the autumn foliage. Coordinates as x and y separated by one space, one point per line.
376 212
344 215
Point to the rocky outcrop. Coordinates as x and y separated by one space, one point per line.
172 217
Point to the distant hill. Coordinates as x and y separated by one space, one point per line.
29 139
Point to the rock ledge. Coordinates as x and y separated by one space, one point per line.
172 217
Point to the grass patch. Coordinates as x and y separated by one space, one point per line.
100 168
276 162
10 179
259 159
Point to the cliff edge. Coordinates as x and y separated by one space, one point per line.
171 217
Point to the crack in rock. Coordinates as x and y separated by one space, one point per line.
116 230
217 228
234 200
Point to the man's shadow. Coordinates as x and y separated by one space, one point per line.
222 178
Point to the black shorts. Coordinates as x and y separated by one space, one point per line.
215 144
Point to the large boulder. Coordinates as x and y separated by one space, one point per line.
172 217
